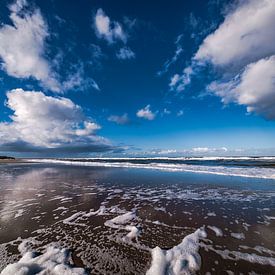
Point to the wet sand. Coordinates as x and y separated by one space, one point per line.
76 207
11 161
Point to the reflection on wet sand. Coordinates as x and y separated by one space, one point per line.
113 219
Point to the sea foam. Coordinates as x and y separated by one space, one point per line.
181 259
54 261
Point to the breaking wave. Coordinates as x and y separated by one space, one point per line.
251 167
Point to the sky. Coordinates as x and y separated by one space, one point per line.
137 78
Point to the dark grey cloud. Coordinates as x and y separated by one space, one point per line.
68 149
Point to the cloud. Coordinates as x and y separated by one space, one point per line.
255 88
179 82
162 152
21 147
175 57
122 120
109 30
146 113
245 41
125 53
242 50
96 55
43 123
77 80
166 111
180 113
200 149
22 46
204 150
195 151
246 35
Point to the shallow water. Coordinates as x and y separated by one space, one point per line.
77 208
249 167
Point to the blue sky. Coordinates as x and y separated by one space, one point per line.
137 77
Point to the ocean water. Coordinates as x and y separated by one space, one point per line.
105 216
255 167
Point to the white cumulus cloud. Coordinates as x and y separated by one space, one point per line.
246 35
22 46
242 49
41 121
146 113
255 88
109 30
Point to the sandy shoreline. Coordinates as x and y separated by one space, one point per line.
111 219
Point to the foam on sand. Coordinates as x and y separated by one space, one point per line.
72 220
216 230
120 222
238 255
181 259
54 261
134 232
239 236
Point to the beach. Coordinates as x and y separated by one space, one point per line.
124 220
137 137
